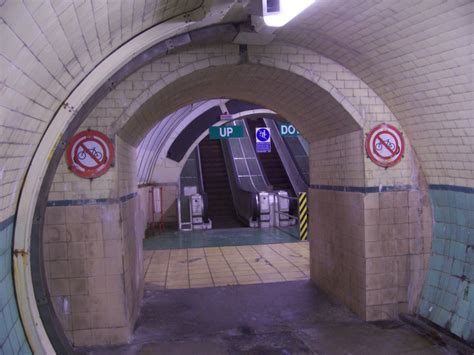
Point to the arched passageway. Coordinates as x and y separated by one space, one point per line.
342 201
417 74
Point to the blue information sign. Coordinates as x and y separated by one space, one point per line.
263 141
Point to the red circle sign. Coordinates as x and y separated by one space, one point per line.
89 154
385 145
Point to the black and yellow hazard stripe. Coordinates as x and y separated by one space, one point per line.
303 214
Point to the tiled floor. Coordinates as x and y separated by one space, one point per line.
230 265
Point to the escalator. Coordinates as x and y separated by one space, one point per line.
271 162
216 184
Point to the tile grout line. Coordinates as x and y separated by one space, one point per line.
149 262
222 255
270 262
250 265
294 251
167 268
187 267
208 267
230 267
276 251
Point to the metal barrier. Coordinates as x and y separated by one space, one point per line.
293 219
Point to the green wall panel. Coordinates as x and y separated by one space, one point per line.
12 336
448 294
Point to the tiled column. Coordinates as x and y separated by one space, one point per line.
94 270
370 249
397 245
337 245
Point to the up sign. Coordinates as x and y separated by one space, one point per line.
288 130
224 132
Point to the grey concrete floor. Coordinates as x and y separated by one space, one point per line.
280 318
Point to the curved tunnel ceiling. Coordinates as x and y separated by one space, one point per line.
175 135
200 124
289 95
398 47
166 131
415 56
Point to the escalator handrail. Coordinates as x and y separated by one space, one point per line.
259 163
203 193
245 201
293 171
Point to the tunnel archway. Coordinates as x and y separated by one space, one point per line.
292 94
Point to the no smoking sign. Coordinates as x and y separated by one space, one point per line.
385 145
89 154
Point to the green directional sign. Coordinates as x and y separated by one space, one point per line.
288 130
224 132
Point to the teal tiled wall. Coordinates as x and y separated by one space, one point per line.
448 294
12 336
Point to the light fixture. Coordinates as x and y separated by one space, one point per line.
288 10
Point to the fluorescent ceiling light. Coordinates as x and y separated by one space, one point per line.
289 9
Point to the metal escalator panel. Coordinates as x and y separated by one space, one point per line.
220 206
292 156
300 156
190 183
271 163
242 156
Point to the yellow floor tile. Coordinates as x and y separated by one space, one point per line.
239 264
200 278
244 272
216 262
270 276
177 282
199 270
175 274
155 276
247 278
292 275
202 285
207 280
184 278
269 270
250 282
222 275
157 267
225 283
209 267
221 270
198 267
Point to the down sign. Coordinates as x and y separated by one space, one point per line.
89 154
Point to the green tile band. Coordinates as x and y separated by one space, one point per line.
12 335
